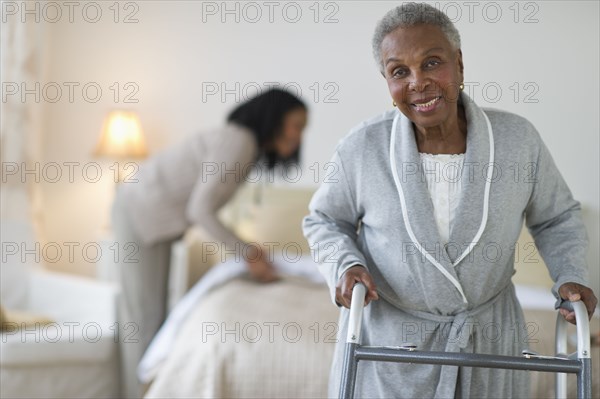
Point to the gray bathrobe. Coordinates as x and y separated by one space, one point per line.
376 211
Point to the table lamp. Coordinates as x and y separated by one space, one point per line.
121 138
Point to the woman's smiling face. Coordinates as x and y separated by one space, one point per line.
423 72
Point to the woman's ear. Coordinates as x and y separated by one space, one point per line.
461 66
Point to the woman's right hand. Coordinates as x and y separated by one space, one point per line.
259 266
355 274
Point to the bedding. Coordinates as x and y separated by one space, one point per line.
221 273
253 341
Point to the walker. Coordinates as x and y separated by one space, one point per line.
579 363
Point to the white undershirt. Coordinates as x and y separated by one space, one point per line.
443 175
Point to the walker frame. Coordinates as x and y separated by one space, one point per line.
579 363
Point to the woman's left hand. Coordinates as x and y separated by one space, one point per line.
577 292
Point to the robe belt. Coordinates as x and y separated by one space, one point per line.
457 341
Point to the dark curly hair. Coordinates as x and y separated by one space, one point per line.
264 115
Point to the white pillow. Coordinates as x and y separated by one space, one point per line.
275 216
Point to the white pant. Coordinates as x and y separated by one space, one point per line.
143 273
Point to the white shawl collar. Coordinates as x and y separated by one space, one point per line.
415 199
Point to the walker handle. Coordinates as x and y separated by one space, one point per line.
357 305
583 328
583 340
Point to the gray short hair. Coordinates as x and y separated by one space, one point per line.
411 14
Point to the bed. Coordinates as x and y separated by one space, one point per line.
237 338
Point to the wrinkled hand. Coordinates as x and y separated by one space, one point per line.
355 274
577 292
260 268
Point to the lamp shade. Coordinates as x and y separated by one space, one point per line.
121 136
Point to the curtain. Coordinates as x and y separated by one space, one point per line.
21 67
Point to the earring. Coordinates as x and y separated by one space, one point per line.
461 86
394 103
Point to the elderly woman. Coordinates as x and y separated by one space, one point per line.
423 212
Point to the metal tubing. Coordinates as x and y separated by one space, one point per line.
582 366
560 335
583 330
467 360
584 375
349 372
357 305
584 380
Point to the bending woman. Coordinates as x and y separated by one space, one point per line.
186 185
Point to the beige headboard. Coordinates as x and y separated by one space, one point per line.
531 269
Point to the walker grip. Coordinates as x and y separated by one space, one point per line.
357 304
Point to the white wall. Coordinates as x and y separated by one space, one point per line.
178 48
